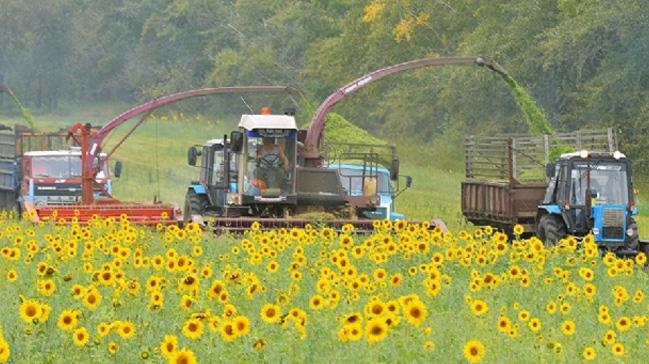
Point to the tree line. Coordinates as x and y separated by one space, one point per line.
584 62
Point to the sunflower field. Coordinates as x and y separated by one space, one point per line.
110 291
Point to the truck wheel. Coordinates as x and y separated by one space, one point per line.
551 229
195 204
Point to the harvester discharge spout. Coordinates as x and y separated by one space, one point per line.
490 63
312 153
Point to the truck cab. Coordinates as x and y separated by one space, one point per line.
54 177
357 180
590 192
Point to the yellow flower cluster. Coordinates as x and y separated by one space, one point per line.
179 294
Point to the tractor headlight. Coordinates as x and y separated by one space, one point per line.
583 153
629 232
595 231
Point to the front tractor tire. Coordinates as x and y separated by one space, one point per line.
633 241
195 204
551 229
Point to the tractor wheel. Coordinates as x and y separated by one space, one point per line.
634 240
551 229
195 204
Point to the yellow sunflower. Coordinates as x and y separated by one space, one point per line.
126 330
168 346
112 347
618 349
183 356
623 324
228 331
30 310
479 307
270 313
354 331
5 351
415 312
68 320
193 328
474 351
80 336
519 229
589 353
534 324
92 299
568 327
376 330
241 325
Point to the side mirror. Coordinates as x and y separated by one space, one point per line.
550 168
117 171
236 141
192 153
394 168
408 181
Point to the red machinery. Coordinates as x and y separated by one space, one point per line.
96 200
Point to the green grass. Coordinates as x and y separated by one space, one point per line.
435 193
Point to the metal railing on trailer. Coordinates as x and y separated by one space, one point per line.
519 158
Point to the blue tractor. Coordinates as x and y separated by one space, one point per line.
591 192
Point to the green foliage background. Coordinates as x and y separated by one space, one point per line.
582 61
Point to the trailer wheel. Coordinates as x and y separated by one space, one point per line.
551 229
195 204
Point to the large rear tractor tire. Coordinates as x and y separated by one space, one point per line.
551 229
195 204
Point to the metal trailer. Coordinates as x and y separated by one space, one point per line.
506 175
8 179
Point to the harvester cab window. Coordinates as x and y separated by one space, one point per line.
270 162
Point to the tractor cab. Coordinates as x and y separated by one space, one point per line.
260 176
590 192
266 148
